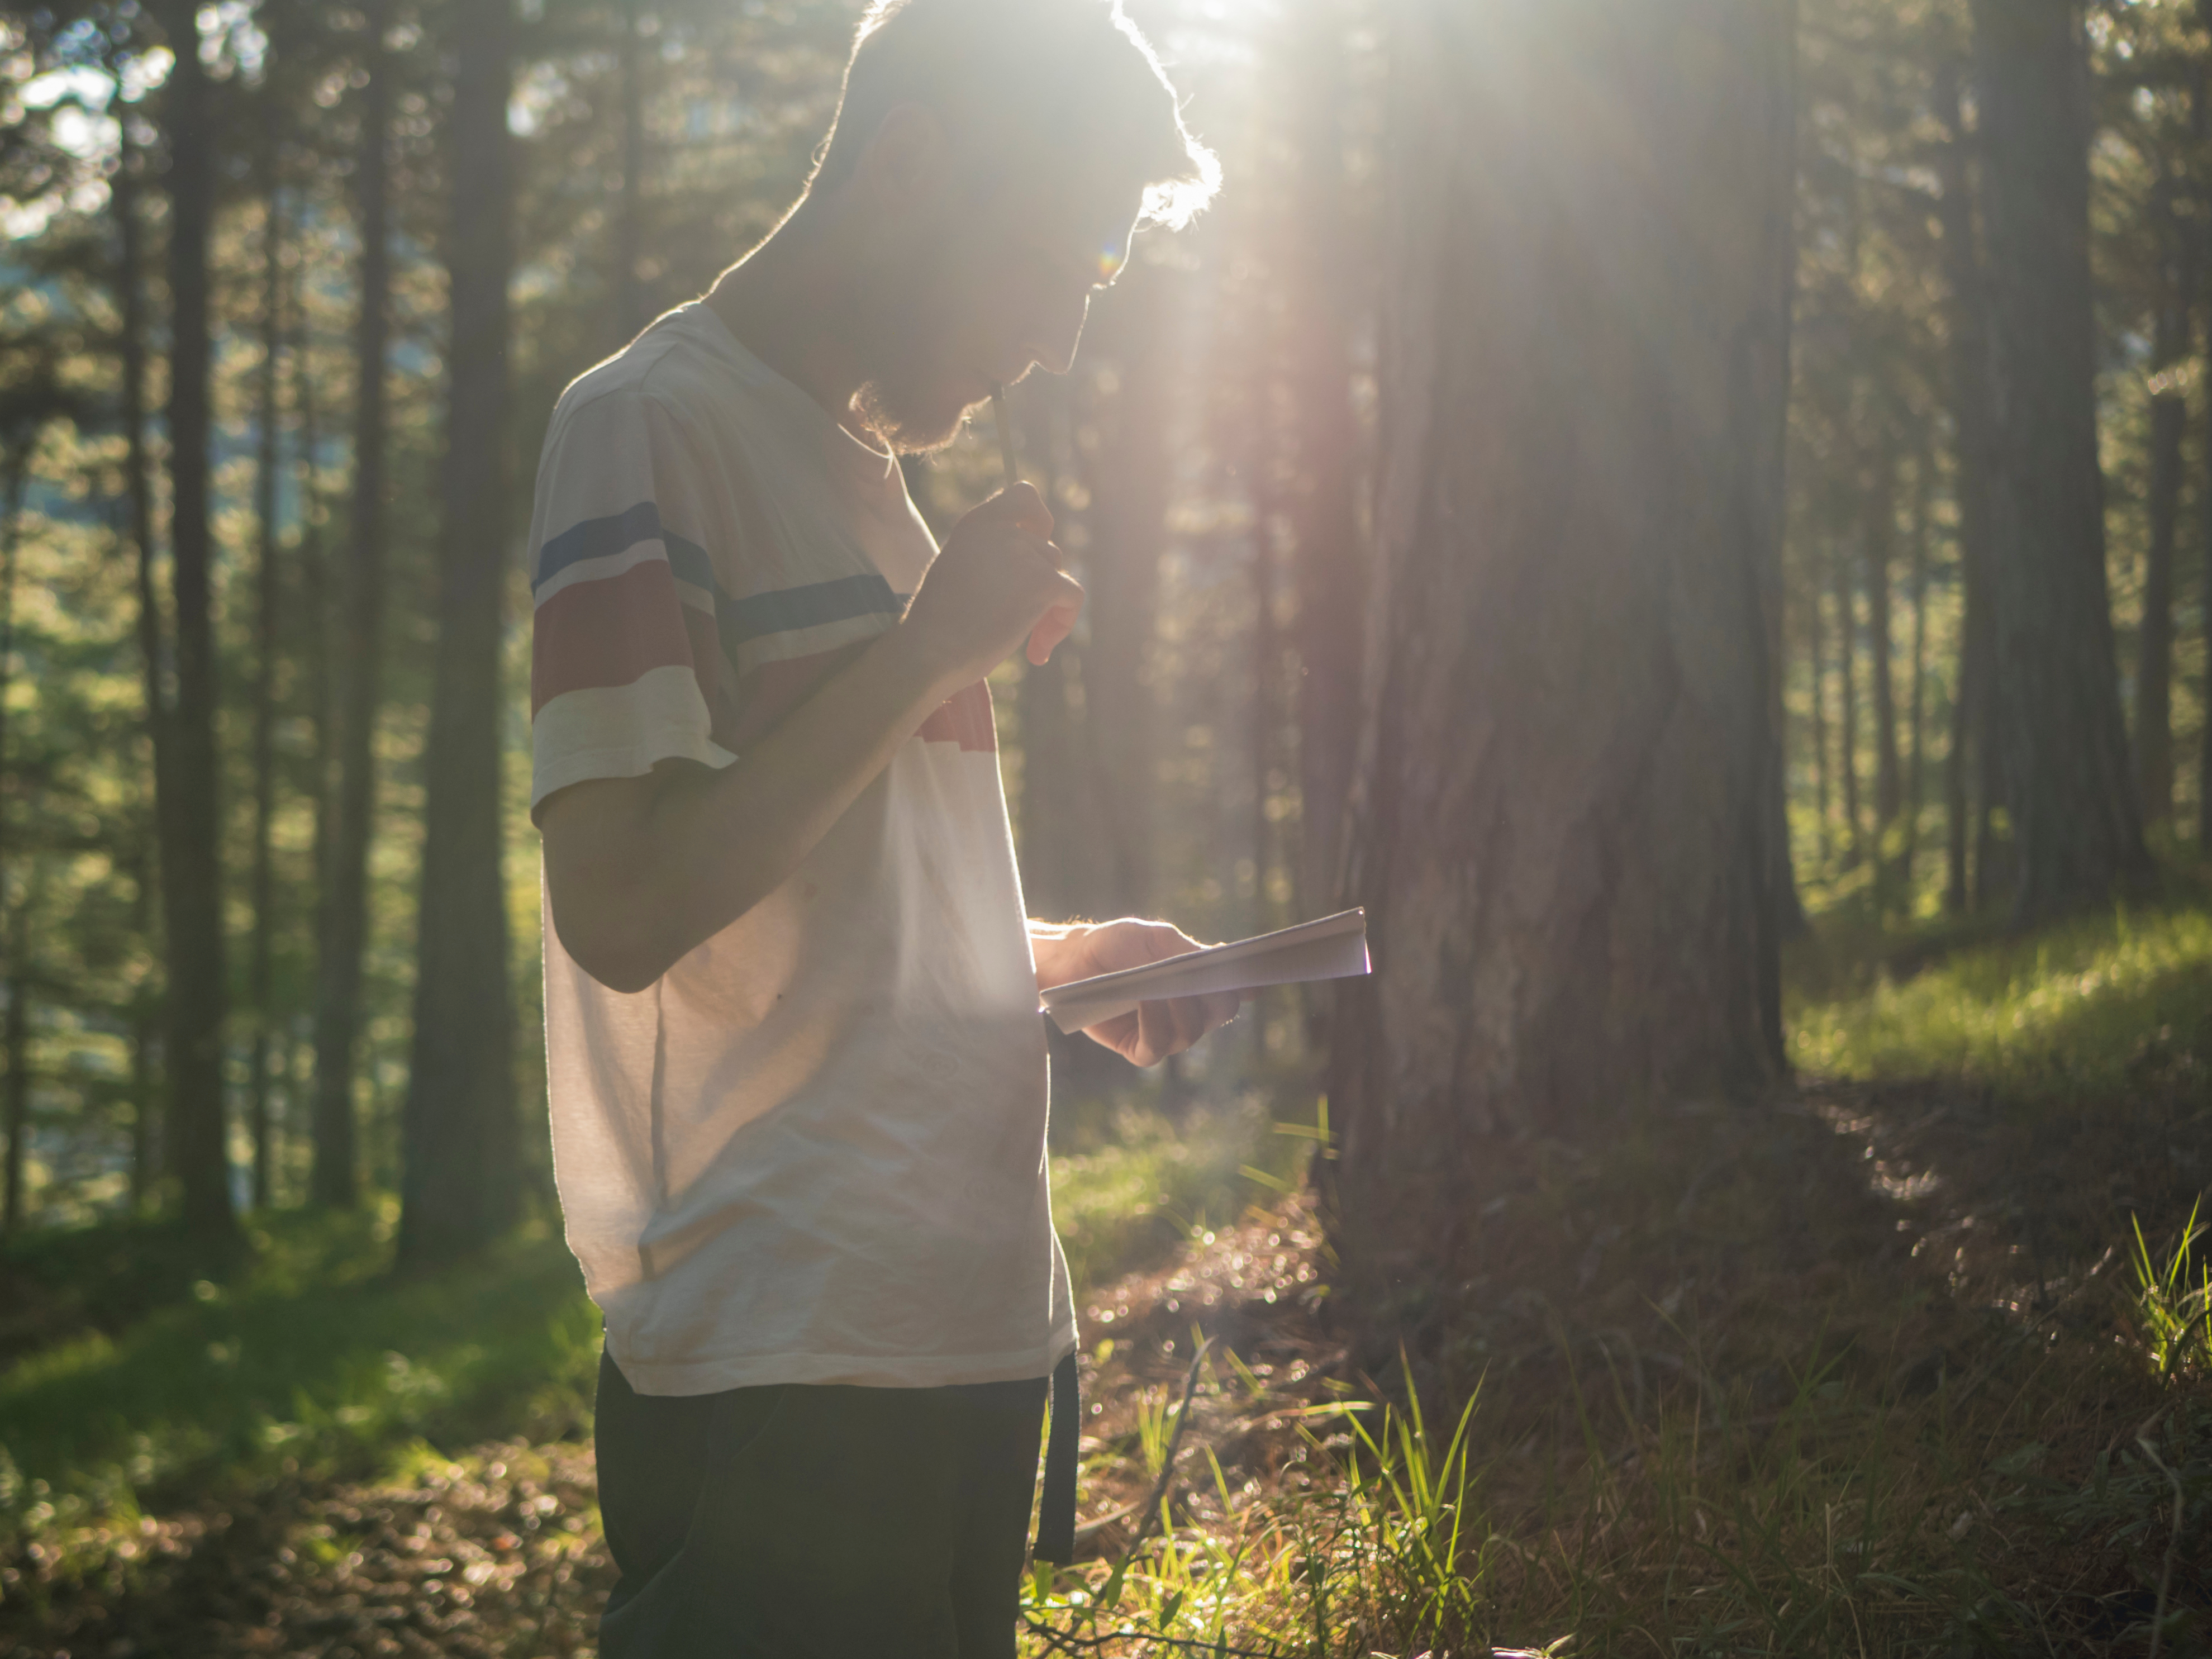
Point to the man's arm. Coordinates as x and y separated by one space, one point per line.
1153 1031
640 870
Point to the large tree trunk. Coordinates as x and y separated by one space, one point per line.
191 889
462 1181
2077 833
260 976
1967 808
1562 836
359 638
2169 426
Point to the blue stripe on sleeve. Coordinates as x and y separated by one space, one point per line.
601 538
791 608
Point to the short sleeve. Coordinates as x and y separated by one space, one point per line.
626 669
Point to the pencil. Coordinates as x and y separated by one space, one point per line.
1005 436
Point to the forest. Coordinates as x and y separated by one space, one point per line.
1697 517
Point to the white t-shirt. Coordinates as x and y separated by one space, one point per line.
815 1150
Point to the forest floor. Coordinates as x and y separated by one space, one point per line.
1870 1370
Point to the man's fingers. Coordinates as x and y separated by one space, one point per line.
1021 505
1057 622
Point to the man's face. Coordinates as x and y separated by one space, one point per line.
996 284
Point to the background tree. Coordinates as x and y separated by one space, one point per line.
2068 788
461 1185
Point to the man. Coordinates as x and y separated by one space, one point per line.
797 1067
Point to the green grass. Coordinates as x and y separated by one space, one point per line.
2077 1009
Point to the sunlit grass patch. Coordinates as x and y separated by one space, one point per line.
311 1361
2075 1009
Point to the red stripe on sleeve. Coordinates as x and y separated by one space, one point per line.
964 717
608 633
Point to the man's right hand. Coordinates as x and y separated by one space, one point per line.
996 582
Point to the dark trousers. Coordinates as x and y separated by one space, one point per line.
816 1522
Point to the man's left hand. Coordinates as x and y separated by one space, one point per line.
1153 1031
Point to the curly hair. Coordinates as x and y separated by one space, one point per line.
1067 82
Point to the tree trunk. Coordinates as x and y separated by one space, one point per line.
1129 526
1966 304
359 639
1330 557
191 889
2077 829
260 975
1562 833
2169 428
462 1184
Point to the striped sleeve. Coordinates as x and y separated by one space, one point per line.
626 667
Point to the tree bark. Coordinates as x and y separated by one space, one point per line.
191 889
1966 303
358 642
260 975
1816 649
2169 428
2077 828
462 1181
1562 834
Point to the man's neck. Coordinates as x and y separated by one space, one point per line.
789 303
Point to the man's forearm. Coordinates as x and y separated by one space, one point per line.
641 870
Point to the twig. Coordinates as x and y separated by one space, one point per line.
1167 1463
2172 1544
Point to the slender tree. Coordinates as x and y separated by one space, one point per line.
358 652
1562 834
1122 573
267 583
191 888
1969 797
16 1025
2069 792
1916 717
461 1183
1879 548
1330 569
138 497
1847 720
2169 428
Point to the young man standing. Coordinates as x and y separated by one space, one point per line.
797 1067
